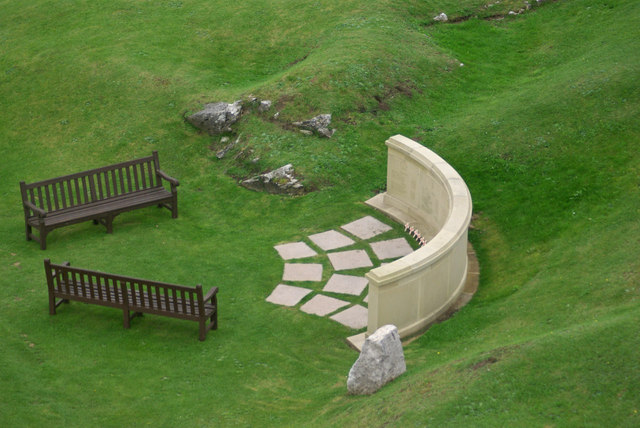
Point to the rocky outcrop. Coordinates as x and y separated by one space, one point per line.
228 146
278 181
216 118
317 125
264 106
441 18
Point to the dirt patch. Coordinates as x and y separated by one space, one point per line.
382 100
291 64
483 363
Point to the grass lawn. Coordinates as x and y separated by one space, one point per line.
538 112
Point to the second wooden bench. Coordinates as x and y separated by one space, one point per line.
133 296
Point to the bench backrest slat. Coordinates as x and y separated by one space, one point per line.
101 286
54 190
143 176
76 192
184 304
132 293
167 303
175 300
129 182
158 294
192 306
136 180
93 185
84 189
69 278
83 287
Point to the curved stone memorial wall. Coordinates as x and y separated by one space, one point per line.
425 192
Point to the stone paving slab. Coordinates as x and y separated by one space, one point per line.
346 284
366 227
350 259
302 272
355 317
331 239
287 295
322 305
295 250
391 249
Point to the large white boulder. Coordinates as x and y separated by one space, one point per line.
381 360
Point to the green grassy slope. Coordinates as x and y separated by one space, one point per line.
541 121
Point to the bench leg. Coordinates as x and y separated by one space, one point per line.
43 238
29 232
203 330
127 317
214 320
174 207
108 221
212 325
53 304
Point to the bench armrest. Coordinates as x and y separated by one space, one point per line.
170 179
211 294
39 211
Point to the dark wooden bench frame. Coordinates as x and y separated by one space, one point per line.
132 295
98 194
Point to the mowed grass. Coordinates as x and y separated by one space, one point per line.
540 120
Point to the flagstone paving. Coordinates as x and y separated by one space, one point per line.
346 284
288 295
352 259
330 240
366 228
352 315
391 249
322 305
302 272
295 250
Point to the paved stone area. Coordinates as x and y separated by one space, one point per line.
288 295
352 315
346 284
302 272
353 259
366 228
348 313
295 250
391 249
330 240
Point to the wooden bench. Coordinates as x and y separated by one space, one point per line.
98 194
133 295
